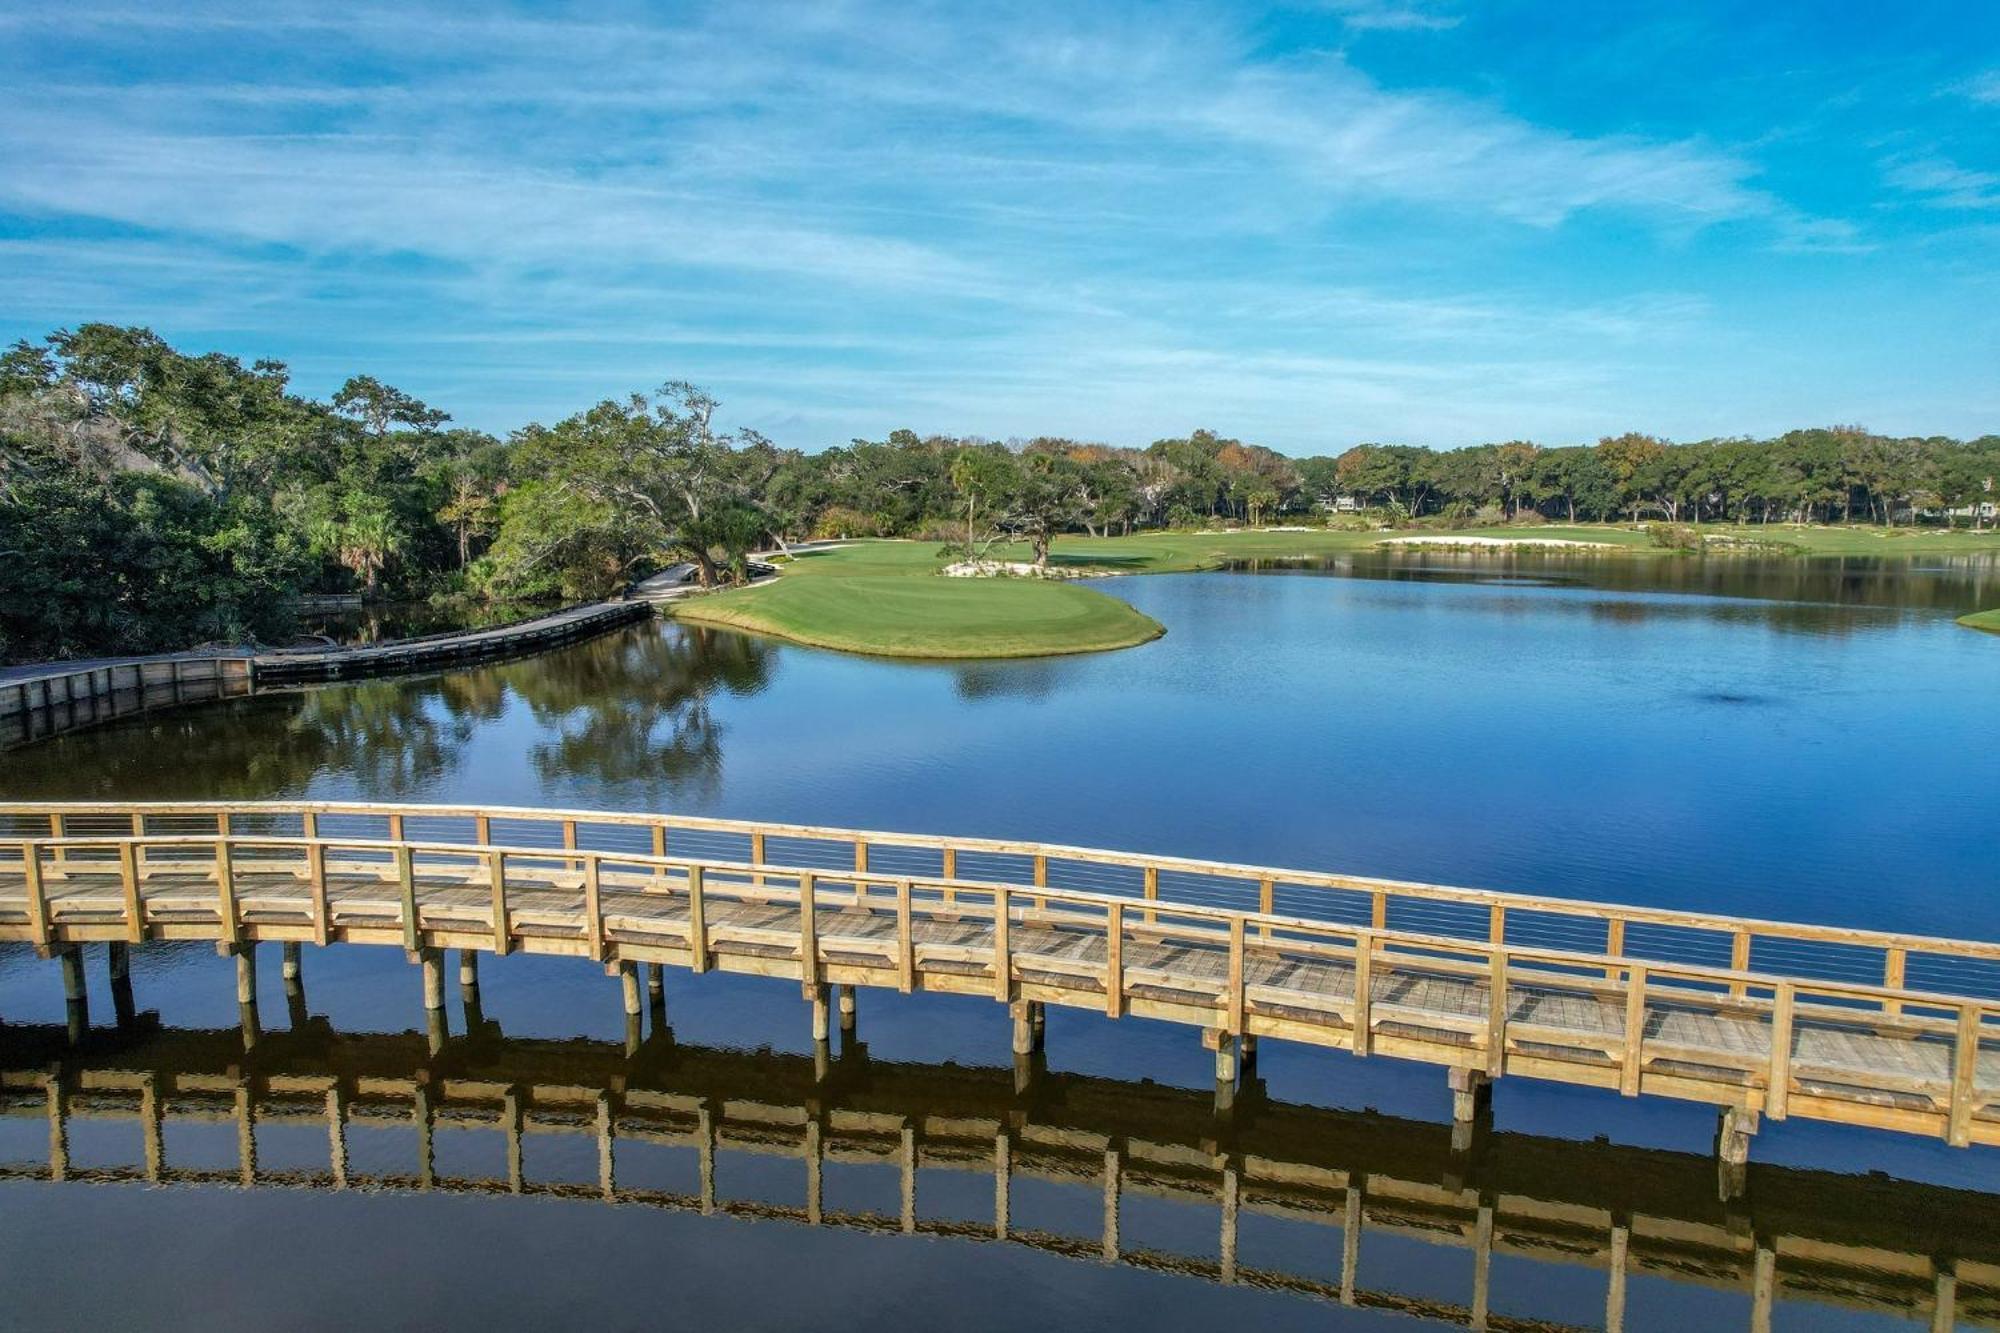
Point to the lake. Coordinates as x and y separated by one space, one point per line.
1810 740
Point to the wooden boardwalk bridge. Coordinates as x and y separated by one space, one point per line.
1757 1018
683 1127
36 703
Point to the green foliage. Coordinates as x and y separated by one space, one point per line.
199 493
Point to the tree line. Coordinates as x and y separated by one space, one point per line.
151 498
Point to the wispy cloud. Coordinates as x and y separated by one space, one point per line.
1945 184
1046 217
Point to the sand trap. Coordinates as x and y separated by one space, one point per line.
1493 542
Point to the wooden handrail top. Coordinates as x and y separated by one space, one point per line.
1249 875
1356 935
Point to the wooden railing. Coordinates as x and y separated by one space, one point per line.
736 914
1645 934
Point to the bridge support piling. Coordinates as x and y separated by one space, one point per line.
432 963
468 970
76 992
628 989
822 1025
1029 1028
289 969
656 996
122 1004
246 974
1471 1107
846 1014
1734 1131
1228 1064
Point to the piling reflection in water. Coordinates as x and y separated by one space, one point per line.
1375 1207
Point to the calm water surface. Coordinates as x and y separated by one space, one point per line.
1809 740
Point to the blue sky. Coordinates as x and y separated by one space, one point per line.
1435 221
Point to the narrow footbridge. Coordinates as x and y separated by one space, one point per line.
1758 1018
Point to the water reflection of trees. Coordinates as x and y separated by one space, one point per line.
633 708
386 737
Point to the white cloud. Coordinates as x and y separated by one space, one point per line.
1944 183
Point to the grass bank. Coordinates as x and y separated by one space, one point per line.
1986 620
884 597
891 611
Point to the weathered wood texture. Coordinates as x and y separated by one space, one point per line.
1788 1041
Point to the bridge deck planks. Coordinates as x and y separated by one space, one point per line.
1049 948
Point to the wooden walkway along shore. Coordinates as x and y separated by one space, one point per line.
44 702
1350 1180
1849 1026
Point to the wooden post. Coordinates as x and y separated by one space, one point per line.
482 829
38 903
628 988
593 906
1364 992
1152 892
135 906
406 883
1964 1065
1378 911
697 921
1895 963
1496 1014
1003 955
808 930
1267 894
496 872
1778 1089
432 961
1614 937
1233 1001
1739 959
569 835
1763 1286
1114 960
906 941
1635 1030
225 879
322 909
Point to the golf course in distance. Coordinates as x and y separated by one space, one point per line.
887 598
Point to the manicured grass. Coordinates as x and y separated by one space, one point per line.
884 597
894 614
1986 620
